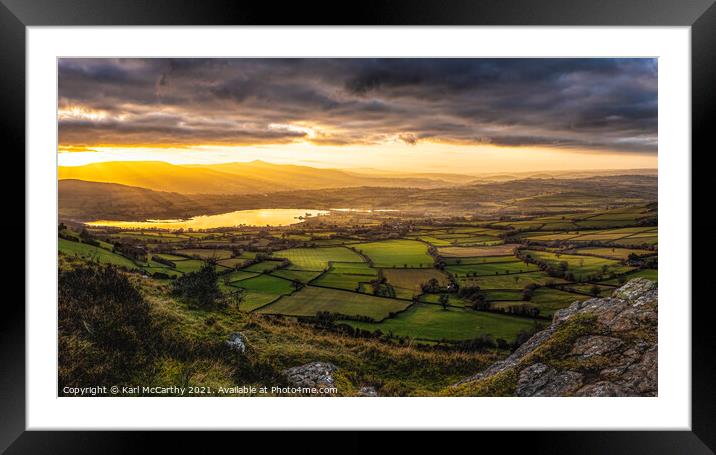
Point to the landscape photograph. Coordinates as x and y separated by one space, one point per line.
357 227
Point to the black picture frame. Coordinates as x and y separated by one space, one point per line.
700 15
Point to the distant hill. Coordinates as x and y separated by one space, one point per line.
232 178
81 200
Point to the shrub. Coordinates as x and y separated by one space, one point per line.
103 324
198 288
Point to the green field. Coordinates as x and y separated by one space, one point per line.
649 274
303 276
549 300
262 267
355 268
580 266
238 275
408 282
512 281
205 253
171 257
189 265
310 300
613 252
266 284
346 281
430 322
453 299
479 260
477 251
94 254
499 294
496 268
397 253
261 290
317 258
232 262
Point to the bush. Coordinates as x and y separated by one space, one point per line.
198 288
103 324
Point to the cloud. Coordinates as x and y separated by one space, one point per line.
597 104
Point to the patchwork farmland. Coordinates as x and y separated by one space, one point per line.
431 281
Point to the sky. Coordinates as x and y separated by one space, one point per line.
468 115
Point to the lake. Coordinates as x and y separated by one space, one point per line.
259 217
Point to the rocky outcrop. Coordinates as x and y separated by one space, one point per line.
314 374
367 391
598 347
237 342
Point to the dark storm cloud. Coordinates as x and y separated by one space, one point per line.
601 104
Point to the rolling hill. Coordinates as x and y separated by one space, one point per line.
81 200
233 178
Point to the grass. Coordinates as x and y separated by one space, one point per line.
232 262
262 267
346 281
513 281
190 265
550 300
94 254
579 266
431 322
476 251
170 257
435 241
205 253
261 290
408 282
238 275
266 284
304 276
397 253
496 268
355 268
317 258
649 274
310 300
639 240
453 299
613 252
479 260
497 295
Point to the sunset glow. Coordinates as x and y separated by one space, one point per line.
465 116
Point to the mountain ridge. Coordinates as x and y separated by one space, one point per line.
230 178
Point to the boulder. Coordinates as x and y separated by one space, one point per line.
237 342
367 391
314 374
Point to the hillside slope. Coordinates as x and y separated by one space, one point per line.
229 178
599 347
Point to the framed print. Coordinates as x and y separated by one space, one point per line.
447 217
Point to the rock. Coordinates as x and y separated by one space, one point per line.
367 391
601 389
589 346
237 342
314 374
614 352
635 289
540 380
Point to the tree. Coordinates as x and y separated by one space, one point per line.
594 291
444 298
433 285
198 288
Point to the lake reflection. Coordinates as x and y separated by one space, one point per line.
260 217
